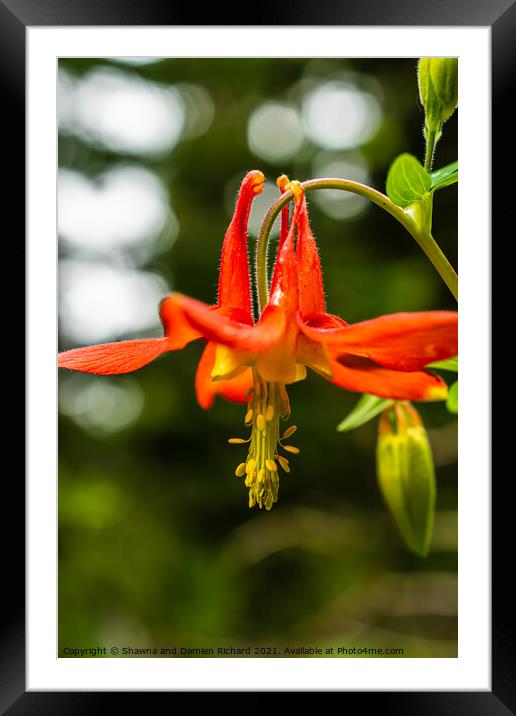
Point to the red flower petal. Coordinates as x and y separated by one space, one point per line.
363 375
311 287
178 329
234 286
323 320
284 285
212 323
402 341
113 358
235 390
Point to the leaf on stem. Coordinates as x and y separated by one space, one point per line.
452 404
367 408
445 176
451 364
407 181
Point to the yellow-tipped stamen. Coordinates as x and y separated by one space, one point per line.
284 463
291 448
288 432
237 441
268 405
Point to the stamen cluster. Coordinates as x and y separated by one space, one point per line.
268 404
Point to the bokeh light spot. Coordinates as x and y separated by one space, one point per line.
275 132
108 404
340 204
200 109
136 61
101 302
338 115
127 205
124 112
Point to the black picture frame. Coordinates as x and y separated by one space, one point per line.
500 16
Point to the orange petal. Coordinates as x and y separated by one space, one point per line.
178 329
363 375
180 311
113 358
402 341
314 355
234 390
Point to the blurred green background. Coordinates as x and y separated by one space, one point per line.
157 546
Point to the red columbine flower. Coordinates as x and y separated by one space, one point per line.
253 362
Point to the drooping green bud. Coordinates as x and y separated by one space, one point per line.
438 89
406 474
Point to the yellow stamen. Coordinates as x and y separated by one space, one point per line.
291 448
268 405
289 431
284 463
237 441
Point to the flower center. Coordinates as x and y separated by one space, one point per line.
269 404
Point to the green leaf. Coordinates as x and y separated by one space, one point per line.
451 364
367 408
407 181
452 403
445 176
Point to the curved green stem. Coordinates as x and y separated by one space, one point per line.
423 238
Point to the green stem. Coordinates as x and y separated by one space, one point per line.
423 238
432 137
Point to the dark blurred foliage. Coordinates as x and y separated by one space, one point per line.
157 546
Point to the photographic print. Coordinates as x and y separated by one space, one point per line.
258 370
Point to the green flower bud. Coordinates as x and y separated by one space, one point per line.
438 89
406 474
